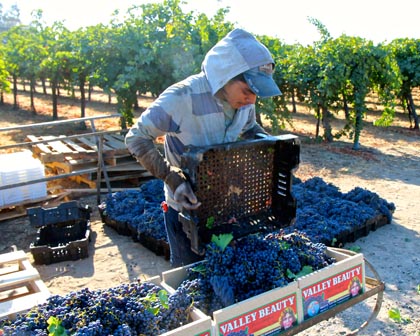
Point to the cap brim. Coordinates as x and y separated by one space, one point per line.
262 84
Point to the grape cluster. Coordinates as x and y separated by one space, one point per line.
137 308
250 266
364 197
324 213
140 209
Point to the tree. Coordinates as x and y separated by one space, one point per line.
54 66
275 108
78 61
10 18
13 42
4 74
407 54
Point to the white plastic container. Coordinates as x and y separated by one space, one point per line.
17 168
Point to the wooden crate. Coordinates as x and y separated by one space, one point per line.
21 287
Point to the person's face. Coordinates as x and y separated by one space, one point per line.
287 321
238 94
354 290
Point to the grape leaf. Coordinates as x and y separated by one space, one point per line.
200 268
210 222
395 315
304 271
355 248
222 240
163 297
55 328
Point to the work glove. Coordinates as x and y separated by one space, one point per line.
185 196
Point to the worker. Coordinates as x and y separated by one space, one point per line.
212 107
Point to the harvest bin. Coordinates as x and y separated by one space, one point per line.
328 287
64 232
244 187
262 314
66 212
199 325
159 246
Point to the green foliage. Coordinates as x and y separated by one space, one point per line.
305 271
222 240
355 248
158 44
210 222
395 315
275 109
151 299
55 328
406 53
322 29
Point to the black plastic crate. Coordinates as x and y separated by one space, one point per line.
122 228
158 246
66 212
359 232
61 242
244 187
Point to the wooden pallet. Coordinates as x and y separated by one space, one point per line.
69 156
21 287
70 165
59 149
134 177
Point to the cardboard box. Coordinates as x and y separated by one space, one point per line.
269 313
308 296
201 324
259 315
332 285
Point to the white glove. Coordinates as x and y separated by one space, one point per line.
186 197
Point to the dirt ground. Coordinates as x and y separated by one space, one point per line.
388 163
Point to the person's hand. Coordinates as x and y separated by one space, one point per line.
186 197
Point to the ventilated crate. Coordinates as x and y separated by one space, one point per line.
56 243
65 213
63 234
244 187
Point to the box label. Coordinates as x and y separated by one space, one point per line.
266 320
329 292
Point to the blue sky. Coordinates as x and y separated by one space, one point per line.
376 20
